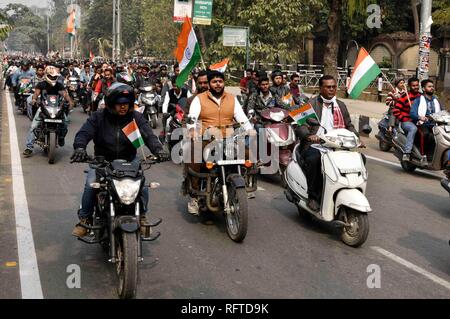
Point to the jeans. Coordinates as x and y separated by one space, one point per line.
31 137
411 129
88 198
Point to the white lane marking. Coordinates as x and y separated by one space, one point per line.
30 281
413 267
398 165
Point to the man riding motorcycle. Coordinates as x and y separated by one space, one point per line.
214 108
402 112
424 106
50 86
171 99
332 114
104 127
23 72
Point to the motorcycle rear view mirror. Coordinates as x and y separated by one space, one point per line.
366 129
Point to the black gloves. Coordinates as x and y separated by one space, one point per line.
163 156
79 156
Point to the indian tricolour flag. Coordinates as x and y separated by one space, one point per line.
133 134
188 52
303 114
71 23
221 66
366 70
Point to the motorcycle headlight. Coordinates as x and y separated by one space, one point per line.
127 190
52 111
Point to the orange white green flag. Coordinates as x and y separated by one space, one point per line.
303 114
71 24
188 52
365 71
133 134
221 66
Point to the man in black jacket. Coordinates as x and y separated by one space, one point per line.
104 127
332 114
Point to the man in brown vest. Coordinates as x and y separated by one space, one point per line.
217 109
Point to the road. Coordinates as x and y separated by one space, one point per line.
283 256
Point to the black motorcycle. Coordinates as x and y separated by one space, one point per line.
24 90
51 127
116 224
73 85
174 123
384 136
225 180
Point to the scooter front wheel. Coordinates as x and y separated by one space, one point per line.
357 232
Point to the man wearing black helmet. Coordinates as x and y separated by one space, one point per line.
278 89
104 127
23 72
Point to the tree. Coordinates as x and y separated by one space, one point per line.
26 22
334 23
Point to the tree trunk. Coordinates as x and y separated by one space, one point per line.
334 38
416 18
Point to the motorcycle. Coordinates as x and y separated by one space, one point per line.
225 181
434 158
73 87
174 122
116 221
85 94
344 203
25 90
150 99
281 135
384 136
51 125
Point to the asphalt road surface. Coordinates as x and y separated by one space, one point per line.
283 256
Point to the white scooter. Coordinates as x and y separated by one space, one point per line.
344 203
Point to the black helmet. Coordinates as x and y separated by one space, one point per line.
276 73
26 62
119 93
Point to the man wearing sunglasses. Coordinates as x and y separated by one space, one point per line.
50 86
332 114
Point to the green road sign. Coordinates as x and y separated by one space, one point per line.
203 12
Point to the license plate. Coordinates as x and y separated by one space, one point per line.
52 121
231 162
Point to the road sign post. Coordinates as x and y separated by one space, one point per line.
237 37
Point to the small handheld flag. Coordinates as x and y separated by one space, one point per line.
303 114
134 135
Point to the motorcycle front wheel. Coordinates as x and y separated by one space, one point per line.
51 147
153 121
237 219
356 234
127 265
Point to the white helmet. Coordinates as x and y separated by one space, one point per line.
51 75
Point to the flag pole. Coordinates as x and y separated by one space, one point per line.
385 77
195 34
